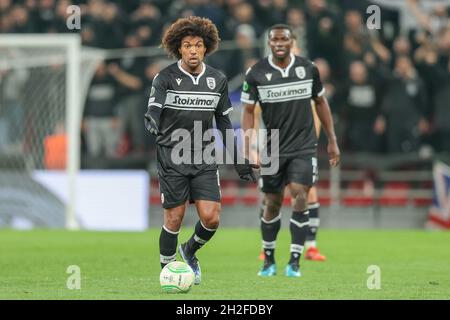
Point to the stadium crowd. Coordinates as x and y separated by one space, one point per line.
389 88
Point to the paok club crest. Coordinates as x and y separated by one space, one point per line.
300 72
211 82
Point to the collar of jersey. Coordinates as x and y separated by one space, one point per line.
195 80
284 72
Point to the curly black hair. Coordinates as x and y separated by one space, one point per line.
190 26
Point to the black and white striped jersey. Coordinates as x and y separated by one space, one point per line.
188 102
285 99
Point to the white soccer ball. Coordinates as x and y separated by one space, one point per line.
176 277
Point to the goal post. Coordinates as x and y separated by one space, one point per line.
57 76
73 125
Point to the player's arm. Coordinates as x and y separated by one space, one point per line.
317 123
155 104
325 117
223 123
249 122
250 116
152 119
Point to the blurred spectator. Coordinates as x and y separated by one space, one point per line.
279 12
59 24
402 47
433 21
5 5
146 20
46 15
444 45
263 10
325 77
129 73
202 8
362 101
12 83
442 108
245 40
110 30
405 108
20 20
426 59
100 123
296 20
323 32
332 95
151 70
354 24
244 13
353 48
365 40
88 37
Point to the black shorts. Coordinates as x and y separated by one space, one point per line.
300 169
181 182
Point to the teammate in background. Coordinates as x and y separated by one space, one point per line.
185 92
312 251
284 85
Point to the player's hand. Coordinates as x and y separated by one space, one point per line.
245 171
254 157
333 153
151 126
113 69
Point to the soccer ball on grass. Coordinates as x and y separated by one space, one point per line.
176 277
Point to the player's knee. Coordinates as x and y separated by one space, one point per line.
211 218
273 208
301 201
211 222
173 221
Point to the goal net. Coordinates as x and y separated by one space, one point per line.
43 84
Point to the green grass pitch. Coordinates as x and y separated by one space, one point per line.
116 265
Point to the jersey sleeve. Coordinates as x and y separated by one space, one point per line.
224 105
249 93
317 88
158 92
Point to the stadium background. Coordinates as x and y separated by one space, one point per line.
388 90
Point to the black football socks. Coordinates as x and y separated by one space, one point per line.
269 231
314 222
298 226
167 246
201 236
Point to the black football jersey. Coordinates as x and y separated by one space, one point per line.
285 99
188 102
